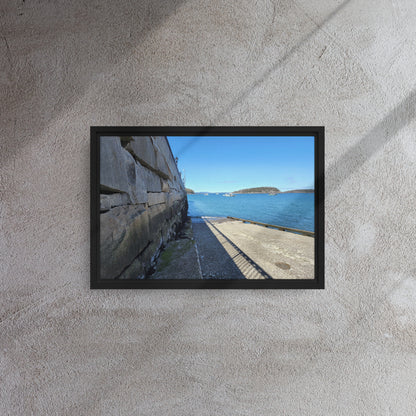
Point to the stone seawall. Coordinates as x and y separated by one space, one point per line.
143 204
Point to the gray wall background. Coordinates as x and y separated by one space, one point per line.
348 350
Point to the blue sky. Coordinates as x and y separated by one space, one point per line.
224 164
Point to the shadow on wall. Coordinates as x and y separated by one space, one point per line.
367 146
60 45
373 141
67 60
242 95
356 156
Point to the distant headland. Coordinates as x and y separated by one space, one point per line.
299 191
272 190
259 190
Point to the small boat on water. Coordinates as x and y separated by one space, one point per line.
229 194
205 194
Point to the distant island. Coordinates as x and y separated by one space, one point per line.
299 191
259 190
272 190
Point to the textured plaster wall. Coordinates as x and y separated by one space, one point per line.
348 350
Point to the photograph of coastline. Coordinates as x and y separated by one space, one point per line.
206 207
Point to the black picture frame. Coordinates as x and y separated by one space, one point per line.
318 282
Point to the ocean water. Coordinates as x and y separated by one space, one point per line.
287 210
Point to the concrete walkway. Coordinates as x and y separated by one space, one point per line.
261 252
219 248
216 254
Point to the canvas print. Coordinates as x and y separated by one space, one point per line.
206 207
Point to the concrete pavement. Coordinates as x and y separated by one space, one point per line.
261 252
218 248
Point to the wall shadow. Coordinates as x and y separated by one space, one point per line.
373 141
242 95
221 258
71 50
268 72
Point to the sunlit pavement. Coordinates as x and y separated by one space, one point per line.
218 248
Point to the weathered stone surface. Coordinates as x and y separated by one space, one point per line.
119 172
162 165
154 153
167 234
113 200
125 140
178 209
151 253
158 214
165 163
164 148
175 196
147 259
142 149
136 270
165 186
156 198
113 166
152 181
138 191
124 233
138 219
174 185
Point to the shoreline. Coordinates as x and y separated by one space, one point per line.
218 220
198 219
252 193
225 249
201 219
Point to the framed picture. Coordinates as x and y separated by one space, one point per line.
207 207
